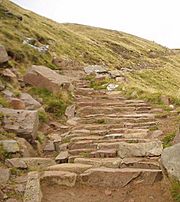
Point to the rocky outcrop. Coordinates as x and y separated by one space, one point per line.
44 77
170 161
3 55
22 122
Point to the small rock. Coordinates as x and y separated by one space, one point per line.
26 148
3 54
16 163
156 134
62 157
73 121
29 101
17 103
112 87
9 74
4 175
108 192
10 146
7 94
114 73
49 147
171 107
95 69
70 111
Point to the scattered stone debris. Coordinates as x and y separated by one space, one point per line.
112 86
31 41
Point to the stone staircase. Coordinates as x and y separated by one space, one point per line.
110 142
108 146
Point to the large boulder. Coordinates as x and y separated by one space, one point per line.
22 122
44 77
170 159
3 55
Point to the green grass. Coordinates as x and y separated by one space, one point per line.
3 101
54 104
175 191
167 140
156 69
43 117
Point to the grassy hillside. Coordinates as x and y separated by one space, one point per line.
156 68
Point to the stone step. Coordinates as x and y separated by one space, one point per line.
114 177
109 110
121 115
134 149
94 144
104 129
70 167
106 153
109 120
145 125
81 152
142 163
29 163
59 178
97 98
110 104
81 138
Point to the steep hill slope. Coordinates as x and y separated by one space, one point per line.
157 68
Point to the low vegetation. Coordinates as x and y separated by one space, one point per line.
167 140
175 191
54 104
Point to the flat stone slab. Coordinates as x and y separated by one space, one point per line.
153 148
22 122
100 162
70 167
33 190
95 69
170 159
59 178
44 77
10 146
31 163
109 177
